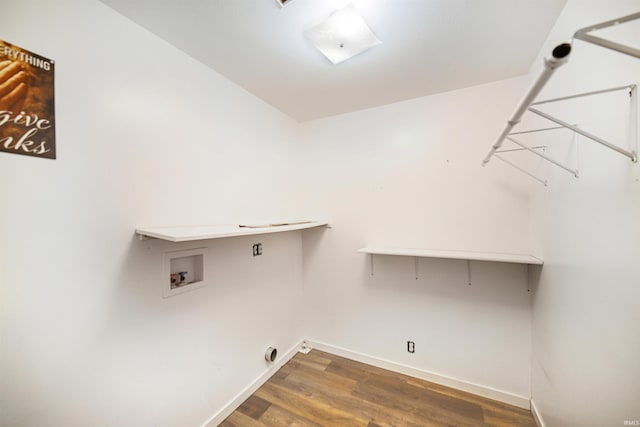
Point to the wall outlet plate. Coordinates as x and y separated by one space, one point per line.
257 249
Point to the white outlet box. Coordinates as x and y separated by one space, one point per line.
184 271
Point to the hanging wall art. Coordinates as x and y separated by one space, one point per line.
27 110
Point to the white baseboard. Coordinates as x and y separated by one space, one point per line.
488 392
536 415
234 403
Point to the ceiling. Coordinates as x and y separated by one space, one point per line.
428 46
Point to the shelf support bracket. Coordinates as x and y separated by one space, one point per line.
510 150
513 165
415 266
573 172
469 272
371 264
559 56
535 130
583 34
633 154
633 120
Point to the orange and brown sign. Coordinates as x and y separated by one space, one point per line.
27 110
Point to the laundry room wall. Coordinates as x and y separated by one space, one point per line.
409 175
146 136
586 309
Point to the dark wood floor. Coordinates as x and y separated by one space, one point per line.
321 389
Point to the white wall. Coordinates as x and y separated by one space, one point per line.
145 136
409 175
586 342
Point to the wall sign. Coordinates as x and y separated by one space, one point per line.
27 110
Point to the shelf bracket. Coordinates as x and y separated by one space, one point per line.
415 266
633 137
371 264
513 165
510 150
584 35
632 154
573 172
522 132
633 121
469 272
559 56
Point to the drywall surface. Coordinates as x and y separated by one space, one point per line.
145 136
409 175
586 310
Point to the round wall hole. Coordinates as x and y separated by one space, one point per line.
271 354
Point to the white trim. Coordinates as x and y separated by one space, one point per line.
488 392
537 417
234 403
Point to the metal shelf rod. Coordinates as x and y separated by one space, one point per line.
521 169
589 135
583 34
580 95
537 147
547 158
559 56
536 130
633 120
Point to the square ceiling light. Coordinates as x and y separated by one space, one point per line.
343 35
282 3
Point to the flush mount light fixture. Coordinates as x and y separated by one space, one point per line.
282 3
343 35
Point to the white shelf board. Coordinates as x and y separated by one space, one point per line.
466 255
203 232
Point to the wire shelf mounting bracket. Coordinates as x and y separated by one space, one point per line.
585 35
632 153
560 56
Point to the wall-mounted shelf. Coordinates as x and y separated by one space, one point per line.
467 256
204 232
464 255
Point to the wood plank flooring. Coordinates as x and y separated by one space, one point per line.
321 389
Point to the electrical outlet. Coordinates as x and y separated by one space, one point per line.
257 249
411 347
